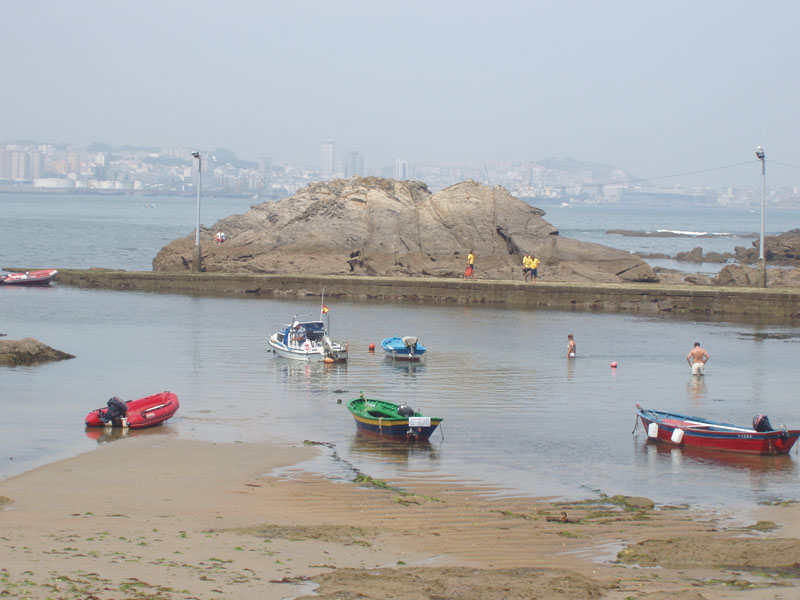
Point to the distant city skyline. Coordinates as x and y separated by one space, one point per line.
36 167
654 88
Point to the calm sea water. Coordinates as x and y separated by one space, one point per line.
728 227
518 415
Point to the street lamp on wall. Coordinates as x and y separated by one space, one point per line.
196 267
762 264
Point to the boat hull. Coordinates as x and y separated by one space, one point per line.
312 353
144 412
694 432
43 277
369 422
395 348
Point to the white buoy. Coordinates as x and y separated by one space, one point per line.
652 430
677 436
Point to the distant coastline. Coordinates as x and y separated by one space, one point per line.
122 193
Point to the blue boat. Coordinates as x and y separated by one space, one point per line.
403 348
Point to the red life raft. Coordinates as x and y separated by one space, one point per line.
141 413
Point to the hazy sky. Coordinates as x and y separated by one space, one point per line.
654 87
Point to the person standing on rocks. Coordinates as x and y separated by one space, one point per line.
697 359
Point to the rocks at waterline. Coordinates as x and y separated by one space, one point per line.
28 351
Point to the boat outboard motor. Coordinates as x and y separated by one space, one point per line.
116 410
410 342
761 423
405 411
327 344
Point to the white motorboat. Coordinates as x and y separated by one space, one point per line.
308 341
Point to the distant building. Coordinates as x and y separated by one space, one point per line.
353 165
400 169
74 162
265 173
36 165
326 159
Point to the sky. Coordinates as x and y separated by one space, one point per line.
653 87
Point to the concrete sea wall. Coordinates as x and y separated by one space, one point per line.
773 304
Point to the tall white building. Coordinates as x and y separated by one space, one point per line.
326 160
400 169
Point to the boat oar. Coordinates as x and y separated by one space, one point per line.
696 425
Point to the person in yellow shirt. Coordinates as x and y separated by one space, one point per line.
526 267
470 272
534 266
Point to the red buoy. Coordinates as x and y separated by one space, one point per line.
372 347
614 365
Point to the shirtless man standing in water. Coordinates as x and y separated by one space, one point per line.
697 359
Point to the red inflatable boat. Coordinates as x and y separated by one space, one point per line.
43 277
144 412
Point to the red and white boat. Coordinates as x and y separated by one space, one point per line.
141 413
43 277
696 432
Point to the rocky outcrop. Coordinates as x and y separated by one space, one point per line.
28 351
743 276
782 249
696 256
383 227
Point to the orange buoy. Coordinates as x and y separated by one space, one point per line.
372 347
328 360
614 365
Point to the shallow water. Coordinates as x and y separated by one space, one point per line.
518 415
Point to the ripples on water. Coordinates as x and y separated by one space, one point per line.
518 415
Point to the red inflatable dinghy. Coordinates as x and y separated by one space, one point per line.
144 412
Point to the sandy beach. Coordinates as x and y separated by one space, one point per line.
139 518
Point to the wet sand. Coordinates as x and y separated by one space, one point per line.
184 519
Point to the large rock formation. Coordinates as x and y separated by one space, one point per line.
383 227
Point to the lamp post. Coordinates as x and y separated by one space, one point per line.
196 261
762 265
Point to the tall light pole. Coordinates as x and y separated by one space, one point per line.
762 264
196 260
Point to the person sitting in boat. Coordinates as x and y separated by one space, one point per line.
298 334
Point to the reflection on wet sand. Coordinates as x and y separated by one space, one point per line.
104 435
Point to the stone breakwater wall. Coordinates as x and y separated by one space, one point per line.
736 303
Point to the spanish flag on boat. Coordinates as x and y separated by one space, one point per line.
324 309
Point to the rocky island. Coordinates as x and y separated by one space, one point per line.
28 351
369 226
